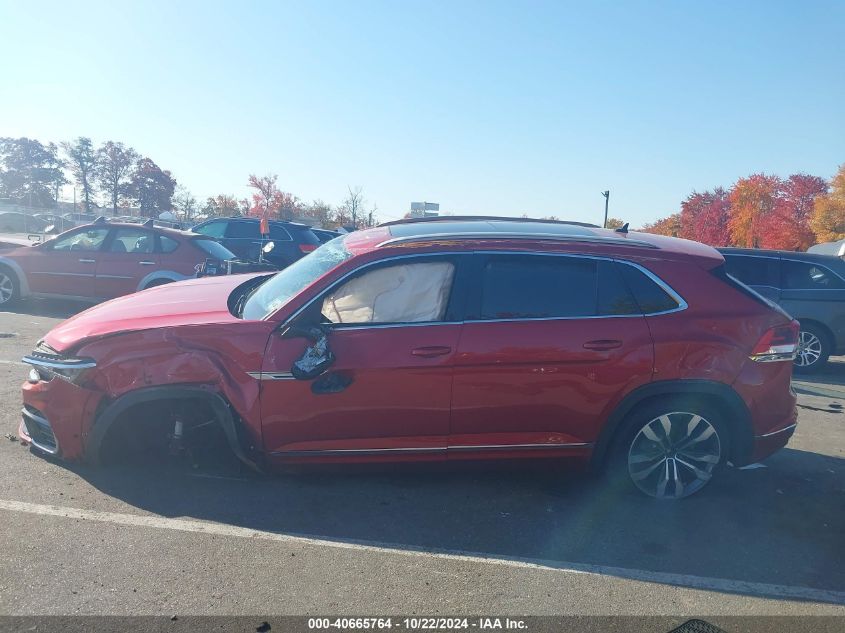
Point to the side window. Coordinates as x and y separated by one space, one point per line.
614 296
650 297
808 276
214 229
406 293
86 240
752 271
279 232
249 230
132 241
168 245
528 287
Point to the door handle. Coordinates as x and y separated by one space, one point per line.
603 344
147 263
432 351
87 261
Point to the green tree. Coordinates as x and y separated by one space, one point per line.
151 188
114 168
82 160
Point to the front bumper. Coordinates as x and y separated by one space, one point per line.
56 416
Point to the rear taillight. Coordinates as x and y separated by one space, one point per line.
307 248
777 343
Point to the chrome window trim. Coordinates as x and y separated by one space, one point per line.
682 304
271 375
501 235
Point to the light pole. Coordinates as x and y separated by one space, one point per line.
606 195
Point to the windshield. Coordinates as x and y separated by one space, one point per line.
284 285
215 249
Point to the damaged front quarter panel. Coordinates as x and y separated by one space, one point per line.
203 357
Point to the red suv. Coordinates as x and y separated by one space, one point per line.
436 340
104 260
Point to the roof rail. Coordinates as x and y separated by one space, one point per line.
149 223
100 220
484 218
537 237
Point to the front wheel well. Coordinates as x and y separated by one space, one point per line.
719 396
144 419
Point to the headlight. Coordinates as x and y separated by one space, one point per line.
47 365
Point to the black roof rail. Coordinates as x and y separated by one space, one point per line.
485 218
101 220
149 223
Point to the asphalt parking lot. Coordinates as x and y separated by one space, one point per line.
417 540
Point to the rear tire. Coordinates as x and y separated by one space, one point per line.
156 283
9 287
814 348
671 449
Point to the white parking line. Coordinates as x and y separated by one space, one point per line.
11 362
203 527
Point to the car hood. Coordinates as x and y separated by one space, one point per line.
193 302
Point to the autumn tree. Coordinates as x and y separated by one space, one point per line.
614 223
787 226
114 168
321 212
670 226
224 205
752 200
267 198
705 217
828 217
82 160
151 188
30 172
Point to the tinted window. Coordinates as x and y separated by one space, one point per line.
248 230
304 235
212 229
86 240
168 245
614 296
808 276
132 241
753 271
214 249
538 287
279 232
649 295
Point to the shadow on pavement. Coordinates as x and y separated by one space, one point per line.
52 308
783 524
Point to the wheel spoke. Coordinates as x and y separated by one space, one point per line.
639 476
664 479
703 475
679 485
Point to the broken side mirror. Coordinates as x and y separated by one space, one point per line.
316 358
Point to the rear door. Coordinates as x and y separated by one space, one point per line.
760 273
243 238
814 291
68 265
129 255
552 342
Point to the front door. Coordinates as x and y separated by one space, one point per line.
129 255
552 343
392 330
67 266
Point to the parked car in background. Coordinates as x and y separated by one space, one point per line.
104 260
15 222
242 236
81 218
324 235
55 224
809 286
427 341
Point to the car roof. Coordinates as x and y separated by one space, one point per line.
135 225
760 252
298 225
468 231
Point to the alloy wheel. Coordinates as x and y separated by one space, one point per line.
7 288
674 455
809 349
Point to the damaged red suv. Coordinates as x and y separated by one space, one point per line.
452 338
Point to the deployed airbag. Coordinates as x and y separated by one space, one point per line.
410 293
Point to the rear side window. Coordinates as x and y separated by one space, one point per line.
305 235
168 245
213 229
248 230
538 287
648 294
214 249
808 276
279 232
752 271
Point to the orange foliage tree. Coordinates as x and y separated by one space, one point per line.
752 200
787 226
828 217
670 226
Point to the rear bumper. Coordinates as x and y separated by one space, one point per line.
768 443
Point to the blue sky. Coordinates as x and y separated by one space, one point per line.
486 107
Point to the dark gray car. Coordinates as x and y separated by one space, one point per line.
808 286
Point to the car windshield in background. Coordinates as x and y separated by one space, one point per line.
215 249
280 288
